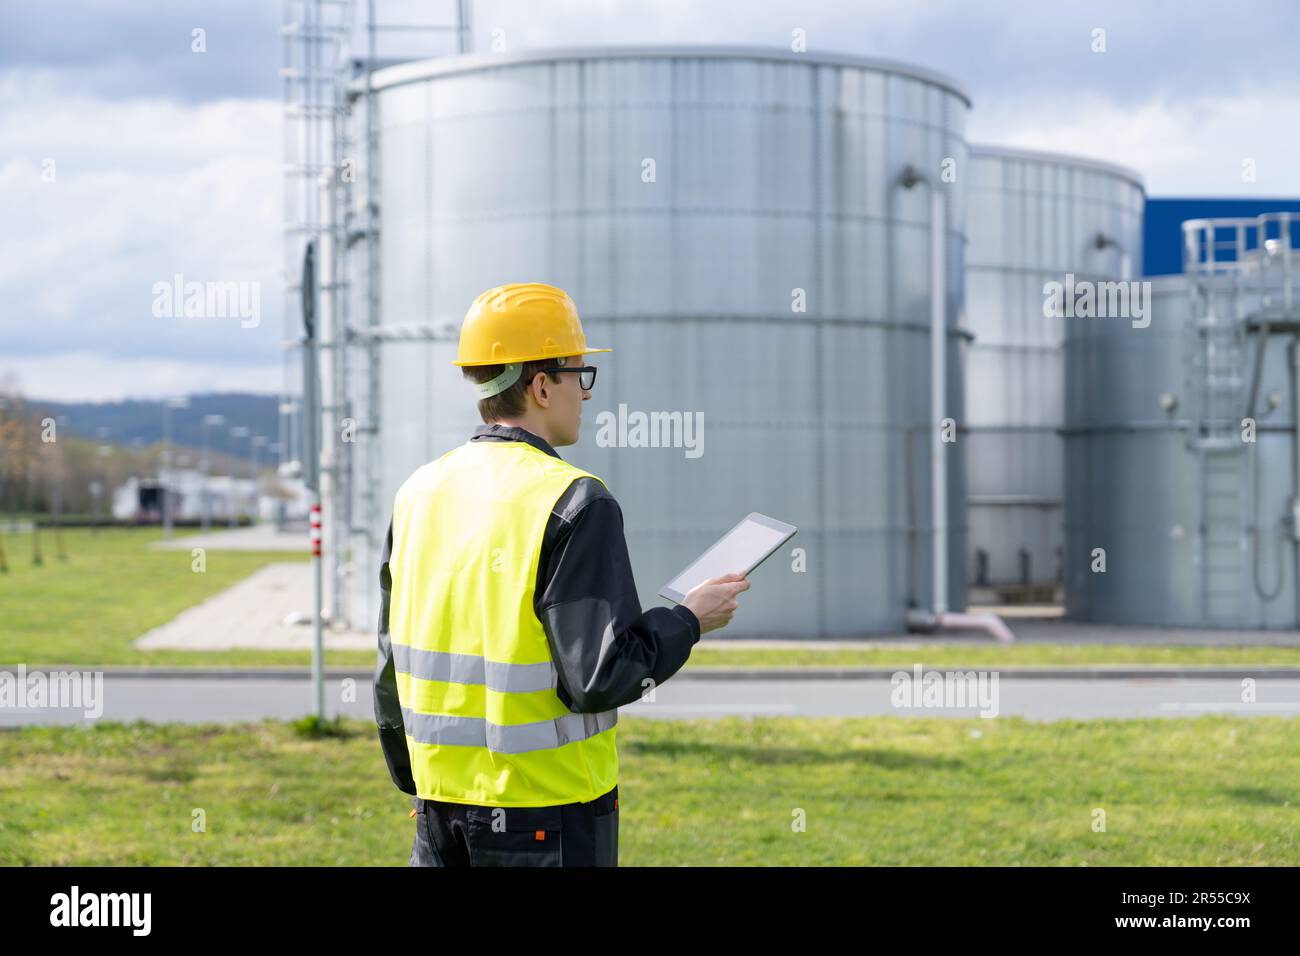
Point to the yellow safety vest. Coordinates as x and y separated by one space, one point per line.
475 676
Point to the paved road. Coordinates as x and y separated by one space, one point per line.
237 699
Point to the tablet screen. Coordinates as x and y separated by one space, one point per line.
740 549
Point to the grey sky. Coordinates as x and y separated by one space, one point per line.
168 162
996 48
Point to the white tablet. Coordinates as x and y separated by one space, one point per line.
743 548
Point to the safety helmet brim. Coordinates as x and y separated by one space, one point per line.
532 358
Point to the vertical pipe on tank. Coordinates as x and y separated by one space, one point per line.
938 383
939 617
1285 248
1295 450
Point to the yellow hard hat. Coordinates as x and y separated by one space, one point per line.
521 322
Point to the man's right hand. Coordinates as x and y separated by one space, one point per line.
714 601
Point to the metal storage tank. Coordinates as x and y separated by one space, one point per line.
731 222
1033 218
1196 524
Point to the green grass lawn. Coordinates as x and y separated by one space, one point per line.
1214 791
111 590
114 588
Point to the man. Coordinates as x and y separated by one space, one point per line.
510 630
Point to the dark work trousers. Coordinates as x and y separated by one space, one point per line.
571 834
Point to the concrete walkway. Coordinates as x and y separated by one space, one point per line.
269 610
258 537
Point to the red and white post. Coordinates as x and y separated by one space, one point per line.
317 647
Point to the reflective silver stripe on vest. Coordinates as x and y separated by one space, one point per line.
506 738
473 669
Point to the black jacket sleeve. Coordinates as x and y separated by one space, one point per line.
388 708
606 650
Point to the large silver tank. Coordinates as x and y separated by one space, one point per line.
773 172
1192 536
1033 217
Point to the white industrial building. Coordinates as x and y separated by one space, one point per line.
141 500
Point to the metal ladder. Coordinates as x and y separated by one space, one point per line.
1215 357
1239 274
1223 546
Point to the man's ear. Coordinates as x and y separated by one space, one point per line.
539 396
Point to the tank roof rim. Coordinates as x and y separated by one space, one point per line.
1049 156
416 70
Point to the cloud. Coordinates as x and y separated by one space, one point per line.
1181 148
83 376
143 48
998 50
142 190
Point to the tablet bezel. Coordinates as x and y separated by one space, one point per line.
787 532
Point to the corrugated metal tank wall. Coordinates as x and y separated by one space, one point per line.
1175 528
1033 218
773 173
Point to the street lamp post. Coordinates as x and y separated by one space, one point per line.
239 431
56 498
276 457
205 465
168 405
136 463
34 482
286 449
100 486
259 442
56 506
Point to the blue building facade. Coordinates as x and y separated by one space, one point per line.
1162 239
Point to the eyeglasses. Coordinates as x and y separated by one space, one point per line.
587 377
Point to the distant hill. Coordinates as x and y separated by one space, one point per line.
130 420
